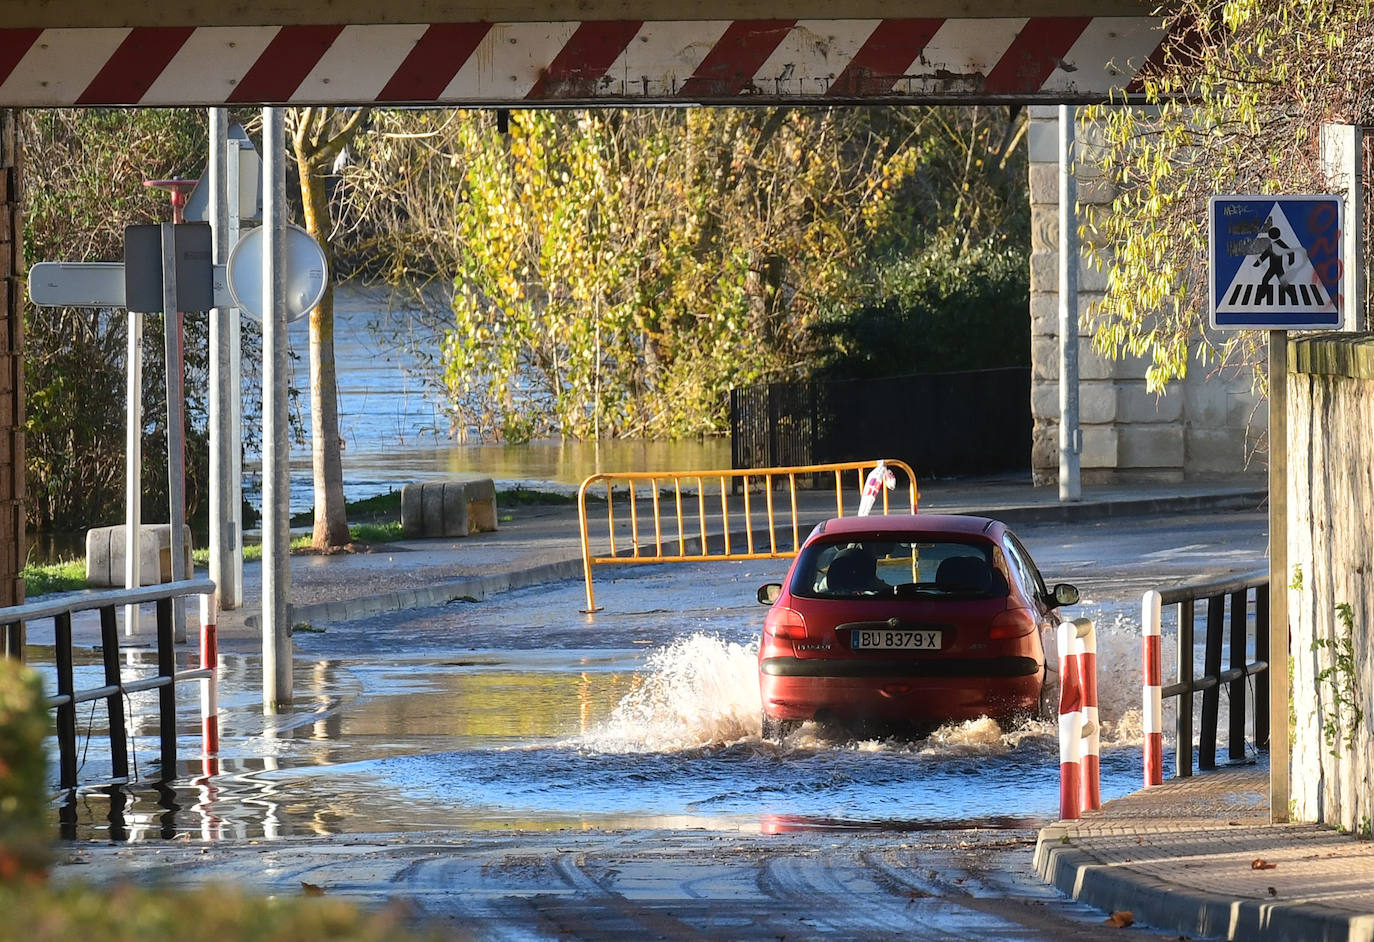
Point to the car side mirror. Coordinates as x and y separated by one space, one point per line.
769 592
1064 594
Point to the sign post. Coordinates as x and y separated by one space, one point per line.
1277 264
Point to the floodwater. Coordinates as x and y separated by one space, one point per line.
521 712
395 431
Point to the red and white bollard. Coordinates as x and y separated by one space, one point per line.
209 687
1079 781
1152 659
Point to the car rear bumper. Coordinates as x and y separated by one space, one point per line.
907 692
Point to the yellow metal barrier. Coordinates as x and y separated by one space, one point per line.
661 487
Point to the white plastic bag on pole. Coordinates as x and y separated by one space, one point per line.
880 477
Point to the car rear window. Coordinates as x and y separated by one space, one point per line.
874 568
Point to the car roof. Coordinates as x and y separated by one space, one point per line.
897 525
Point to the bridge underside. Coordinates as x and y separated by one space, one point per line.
1065 59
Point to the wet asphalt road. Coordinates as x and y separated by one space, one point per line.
587 816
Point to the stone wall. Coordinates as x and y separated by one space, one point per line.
1331 561
1205 426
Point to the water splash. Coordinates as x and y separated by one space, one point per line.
698 691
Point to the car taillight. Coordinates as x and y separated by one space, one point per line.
1013 623
785 623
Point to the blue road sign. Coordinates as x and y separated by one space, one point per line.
1275 262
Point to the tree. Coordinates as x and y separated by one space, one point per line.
318 136
84 185
1235 107
616 272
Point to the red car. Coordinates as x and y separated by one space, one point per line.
905 623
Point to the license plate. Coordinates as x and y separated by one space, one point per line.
895 639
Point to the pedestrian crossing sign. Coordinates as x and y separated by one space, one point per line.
1275 262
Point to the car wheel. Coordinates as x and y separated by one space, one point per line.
778 730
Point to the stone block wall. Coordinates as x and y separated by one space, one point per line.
1331 562
1204 426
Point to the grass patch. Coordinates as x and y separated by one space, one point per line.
46 578
375 509
524 496
388 532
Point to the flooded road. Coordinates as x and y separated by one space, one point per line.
517 769
521 711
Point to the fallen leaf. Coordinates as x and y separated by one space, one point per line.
311 889
1259 863
1121 918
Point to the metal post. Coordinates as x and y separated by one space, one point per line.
224 537
1279 707
231 590
276 472
1070 435
114 704
176 421
133 466
66 711
1235 735
167 693
1211 669
1183 729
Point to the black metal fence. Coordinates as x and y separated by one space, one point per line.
972 422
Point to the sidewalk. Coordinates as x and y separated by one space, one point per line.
1199 856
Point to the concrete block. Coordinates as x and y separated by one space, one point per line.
432 508
1207 403
1045 448
105 554
1100 446
1097 402
1136 404
412 505
455 515
1044 272
1215 451
1042 134
1150 447
1043 182
481 496
1045 401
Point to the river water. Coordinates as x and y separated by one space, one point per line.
395 431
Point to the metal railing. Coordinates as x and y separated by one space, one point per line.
1226 597
711 537
13 628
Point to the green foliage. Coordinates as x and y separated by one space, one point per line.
942 310
1235 108
129 914
84 178
1341 722
45 578
615 273
23 774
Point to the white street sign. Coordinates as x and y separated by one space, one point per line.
77 284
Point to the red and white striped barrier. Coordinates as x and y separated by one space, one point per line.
1079 781
209 685
1152 659
604 61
